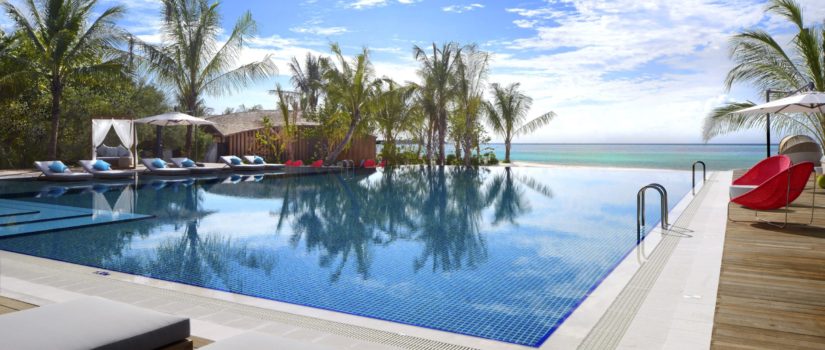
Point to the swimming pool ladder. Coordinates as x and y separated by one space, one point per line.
704 174
640 208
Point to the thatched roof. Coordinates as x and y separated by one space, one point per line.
230 124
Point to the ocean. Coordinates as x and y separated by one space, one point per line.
648 156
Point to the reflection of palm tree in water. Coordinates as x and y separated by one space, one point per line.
442 208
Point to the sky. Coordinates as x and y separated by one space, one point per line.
624 71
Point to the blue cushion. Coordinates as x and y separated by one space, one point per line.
188 163
259 160
235 161
158 163
58 167
101 165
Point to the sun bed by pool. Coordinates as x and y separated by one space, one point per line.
241 166
48 174
92 323
89 166
194 169
152 169
270 166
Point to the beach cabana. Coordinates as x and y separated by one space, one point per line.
125 130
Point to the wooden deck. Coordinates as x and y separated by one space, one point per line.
772 285
8 305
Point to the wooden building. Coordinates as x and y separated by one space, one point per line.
234 134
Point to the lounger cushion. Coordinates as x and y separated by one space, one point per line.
58 167
158 163
188 163
90 323
258 341
235 161
101 166
259 160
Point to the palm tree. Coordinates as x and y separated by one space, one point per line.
437 72
192 63
349 84
308 80
765 63
393 112
471 72
63 44
288 106
507 114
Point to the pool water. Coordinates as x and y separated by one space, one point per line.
498 253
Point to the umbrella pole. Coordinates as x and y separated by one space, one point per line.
768 124
159 142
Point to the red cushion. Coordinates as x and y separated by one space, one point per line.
764 171
779 190
369 163
318 163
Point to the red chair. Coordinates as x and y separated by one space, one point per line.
288 163
383 163
764 171
317 163
369 164
298 163
778 191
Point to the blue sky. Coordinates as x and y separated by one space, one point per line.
613 70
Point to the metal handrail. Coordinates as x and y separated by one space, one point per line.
704 174
640 208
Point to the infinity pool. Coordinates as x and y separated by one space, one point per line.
499 253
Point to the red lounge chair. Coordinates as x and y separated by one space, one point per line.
764 171
317 163
288 163
383 163
369 164
778 191
298 163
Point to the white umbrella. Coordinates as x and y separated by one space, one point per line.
173 119
806 102
170 119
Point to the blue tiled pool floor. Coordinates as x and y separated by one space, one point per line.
24 217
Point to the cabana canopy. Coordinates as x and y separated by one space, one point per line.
124 129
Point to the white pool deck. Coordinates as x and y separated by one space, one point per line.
662 296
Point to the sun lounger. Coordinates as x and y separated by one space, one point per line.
259 341
152 169
50 175
271 166
92 323
89 166
241 166
194 169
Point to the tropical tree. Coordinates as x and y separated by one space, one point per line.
472 66
349 85
507 114
61 41
393 113
289 108
308 80
192 62
764 63
437 72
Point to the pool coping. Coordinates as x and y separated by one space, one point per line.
568 334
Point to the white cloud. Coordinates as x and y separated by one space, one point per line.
364 4
525 23
318 30
462 8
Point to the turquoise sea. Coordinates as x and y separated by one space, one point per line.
656 156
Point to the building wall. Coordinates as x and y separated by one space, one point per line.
306 149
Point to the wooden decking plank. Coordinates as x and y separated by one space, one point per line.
772 285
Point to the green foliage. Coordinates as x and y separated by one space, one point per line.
763 62
268 138
507 114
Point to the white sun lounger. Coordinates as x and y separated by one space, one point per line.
271 166
194 169
48 174
89 166
241 167
91 323
147 162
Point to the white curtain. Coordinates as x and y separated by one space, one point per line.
125 131
100 127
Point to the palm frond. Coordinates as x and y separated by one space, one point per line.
535 124
241 77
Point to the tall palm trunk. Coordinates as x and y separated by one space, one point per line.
468 138
57 94
333 155
189 136
442 136
507 151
